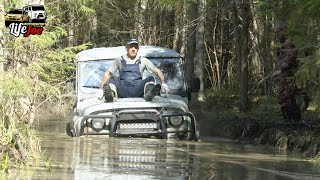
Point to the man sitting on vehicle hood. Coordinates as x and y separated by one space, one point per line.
130 82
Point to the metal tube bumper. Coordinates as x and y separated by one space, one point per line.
113 121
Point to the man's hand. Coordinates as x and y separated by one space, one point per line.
99 93
164 88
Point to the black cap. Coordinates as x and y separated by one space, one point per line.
132 41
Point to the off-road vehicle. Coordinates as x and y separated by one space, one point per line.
166 116
35 13
15 16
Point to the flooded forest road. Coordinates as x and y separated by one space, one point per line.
98 157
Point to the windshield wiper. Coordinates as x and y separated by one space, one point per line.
96 87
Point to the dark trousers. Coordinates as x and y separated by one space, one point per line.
133 88
287 99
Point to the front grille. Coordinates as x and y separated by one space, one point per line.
137 116
137 122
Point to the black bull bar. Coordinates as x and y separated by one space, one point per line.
164 132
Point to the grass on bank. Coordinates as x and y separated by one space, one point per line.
259 124
19 144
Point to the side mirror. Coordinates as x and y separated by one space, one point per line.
73 81
71 84
194 85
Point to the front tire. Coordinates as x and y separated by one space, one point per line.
112 128
163 127
68 130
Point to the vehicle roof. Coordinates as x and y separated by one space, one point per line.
14 9
115 52
34 5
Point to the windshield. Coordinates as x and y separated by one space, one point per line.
91 73
37 8
16 11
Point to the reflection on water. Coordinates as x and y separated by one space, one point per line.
99 157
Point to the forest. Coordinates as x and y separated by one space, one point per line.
228 44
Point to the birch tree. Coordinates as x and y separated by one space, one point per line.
199 54
2 28
244 69
192 16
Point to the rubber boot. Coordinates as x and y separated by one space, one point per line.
151 90
107 92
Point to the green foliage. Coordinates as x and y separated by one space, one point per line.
17 91
304 22
226 103
5 162
57 66
37 70
309 70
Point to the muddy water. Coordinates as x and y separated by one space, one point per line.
99 157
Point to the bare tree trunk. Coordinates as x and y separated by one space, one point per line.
177 31
191 40
240 45
71 22
199 55
2 46
237 36
177 27
183 29
225 44
268 68
139 25
255 48
245 11
254 36
214 45
94 27
210 70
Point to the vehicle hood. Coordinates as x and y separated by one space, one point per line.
39 11
98 106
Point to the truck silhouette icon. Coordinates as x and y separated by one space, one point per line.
15 16
36 13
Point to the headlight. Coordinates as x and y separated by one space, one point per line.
98 123
175 121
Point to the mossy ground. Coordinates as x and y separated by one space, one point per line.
219 115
